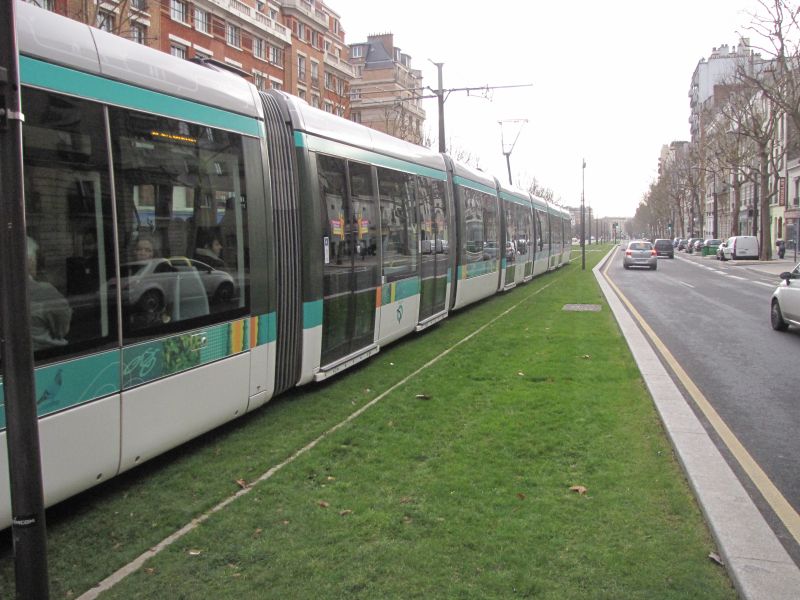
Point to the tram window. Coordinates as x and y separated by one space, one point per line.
491 226
523 231
182 220
511 231
472 248
433 216
68 211
398 225
540 232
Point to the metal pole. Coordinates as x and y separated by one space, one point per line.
508 164
440 99
583 217
24 464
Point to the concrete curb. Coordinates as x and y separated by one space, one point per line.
756 561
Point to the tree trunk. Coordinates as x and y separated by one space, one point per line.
765 252
737 200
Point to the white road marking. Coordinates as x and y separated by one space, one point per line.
686 284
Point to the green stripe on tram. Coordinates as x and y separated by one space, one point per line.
318 144
76 83
480 187
312 314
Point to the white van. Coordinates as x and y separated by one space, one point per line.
740 246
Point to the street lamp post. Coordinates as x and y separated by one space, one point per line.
583 217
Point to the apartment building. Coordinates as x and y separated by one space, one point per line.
386 92
292 45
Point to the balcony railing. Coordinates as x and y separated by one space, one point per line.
255 18
342 65
308 10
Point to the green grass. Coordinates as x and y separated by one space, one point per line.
463 493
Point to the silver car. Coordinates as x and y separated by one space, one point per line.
640 253
785 303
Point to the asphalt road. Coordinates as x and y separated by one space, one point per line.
714 319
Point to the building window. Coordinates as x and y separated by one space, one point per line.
105 20
301 94
202 22
138 33
139 5
328 81
259 48
328 107
260 81
335 26
301 30
355 94
179 11
340 87
301 68
356 51
315 101
179 51
273 14
276 85
234 36
315 38
355 116
276 56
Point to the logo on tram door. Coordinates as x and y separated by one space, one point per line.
399 313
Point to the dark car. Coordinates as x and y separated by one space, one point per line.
690 244
664 248
681 244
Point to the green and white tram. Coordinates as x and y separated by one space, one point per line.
196 247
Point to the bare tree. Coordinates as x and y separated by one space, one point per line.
114 16
753 116
777 29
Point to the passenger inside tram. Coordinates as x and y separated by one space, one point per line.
50 312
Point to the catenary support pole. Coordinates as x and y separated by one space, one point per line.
25 471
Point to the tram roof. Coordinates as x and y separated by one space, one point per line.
56 39
320 123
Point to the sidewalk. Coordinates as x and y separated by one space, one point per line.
775 266
755 559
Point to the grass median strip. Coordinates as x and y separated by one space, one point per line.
458 483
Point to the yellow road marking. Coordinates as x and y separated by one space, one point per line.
785 512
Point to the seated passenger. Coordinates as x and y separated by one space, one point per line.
145 250
50 312
210 252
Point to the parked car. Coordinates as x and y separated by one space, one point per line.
785 302
640 253
681 244
664 248
690 244
741 246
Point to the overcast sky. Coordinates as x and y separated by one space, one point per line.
610 81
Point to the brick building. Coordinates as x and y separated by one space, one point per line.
386 91
292 45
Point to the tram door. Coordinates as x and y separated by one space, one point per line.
435 246
350 265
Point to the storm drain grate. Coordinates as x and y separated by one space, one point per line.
582 307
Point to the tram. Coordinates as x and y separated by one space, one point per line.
196 247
